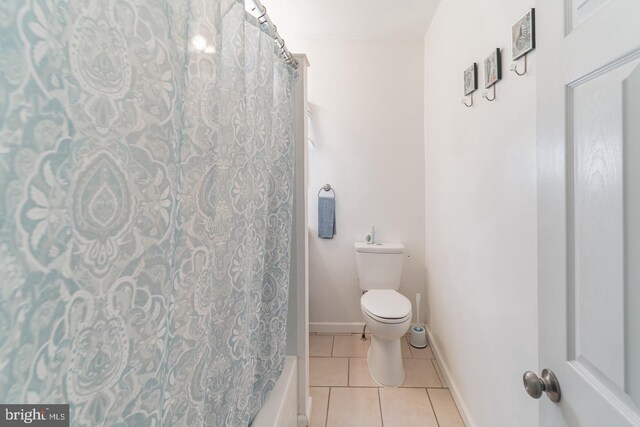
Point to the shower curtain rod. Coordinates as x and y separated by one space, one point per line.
263 18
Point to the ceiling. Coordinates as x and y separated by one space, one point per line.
358 19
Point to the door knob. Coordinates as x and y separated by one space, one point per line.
548 383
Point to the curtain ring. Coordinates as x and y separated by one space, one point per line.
262 16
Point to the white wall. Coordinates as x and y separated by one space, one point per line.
366 99
481 214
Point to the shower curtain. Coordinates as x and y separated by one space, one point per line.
146 175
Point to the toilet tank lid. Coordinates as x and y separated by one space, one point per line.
379 248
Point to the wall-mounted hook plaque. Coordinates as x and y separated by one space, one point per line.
523 35
470 83
492 73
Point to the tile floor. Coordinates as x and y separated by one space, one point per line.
344 394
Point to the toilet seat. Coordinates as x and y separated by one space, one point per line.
386 306
385 320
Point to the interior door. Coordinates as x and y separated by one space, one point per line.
589 209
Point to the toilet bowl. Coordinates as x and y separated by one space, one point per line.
387 314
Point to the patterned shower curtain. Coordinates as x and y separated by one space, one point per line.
146 175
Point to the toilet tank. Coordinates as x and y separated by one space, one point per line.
379 265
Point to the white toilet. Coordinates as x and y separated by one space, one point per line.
387 313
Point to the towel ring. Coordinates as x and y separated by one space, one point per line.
327 188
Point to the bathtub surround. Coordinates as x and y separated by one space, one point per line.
146 174
298 316
481 216
280 409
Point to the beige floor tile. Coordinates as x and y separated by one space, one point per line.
359 375
420 373
319 405
328 371
404 346
320 345
445 408
406 407
422 353
350 346
354 407
439 372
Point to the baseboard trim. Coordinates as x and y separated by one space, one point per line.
336 327
341 327
453 388
303 421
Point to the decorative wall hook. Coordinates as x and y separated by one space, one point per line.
492 73
485 95
514 67
464 101
470 83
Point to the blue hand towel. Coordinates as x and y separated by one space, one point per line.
326 217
